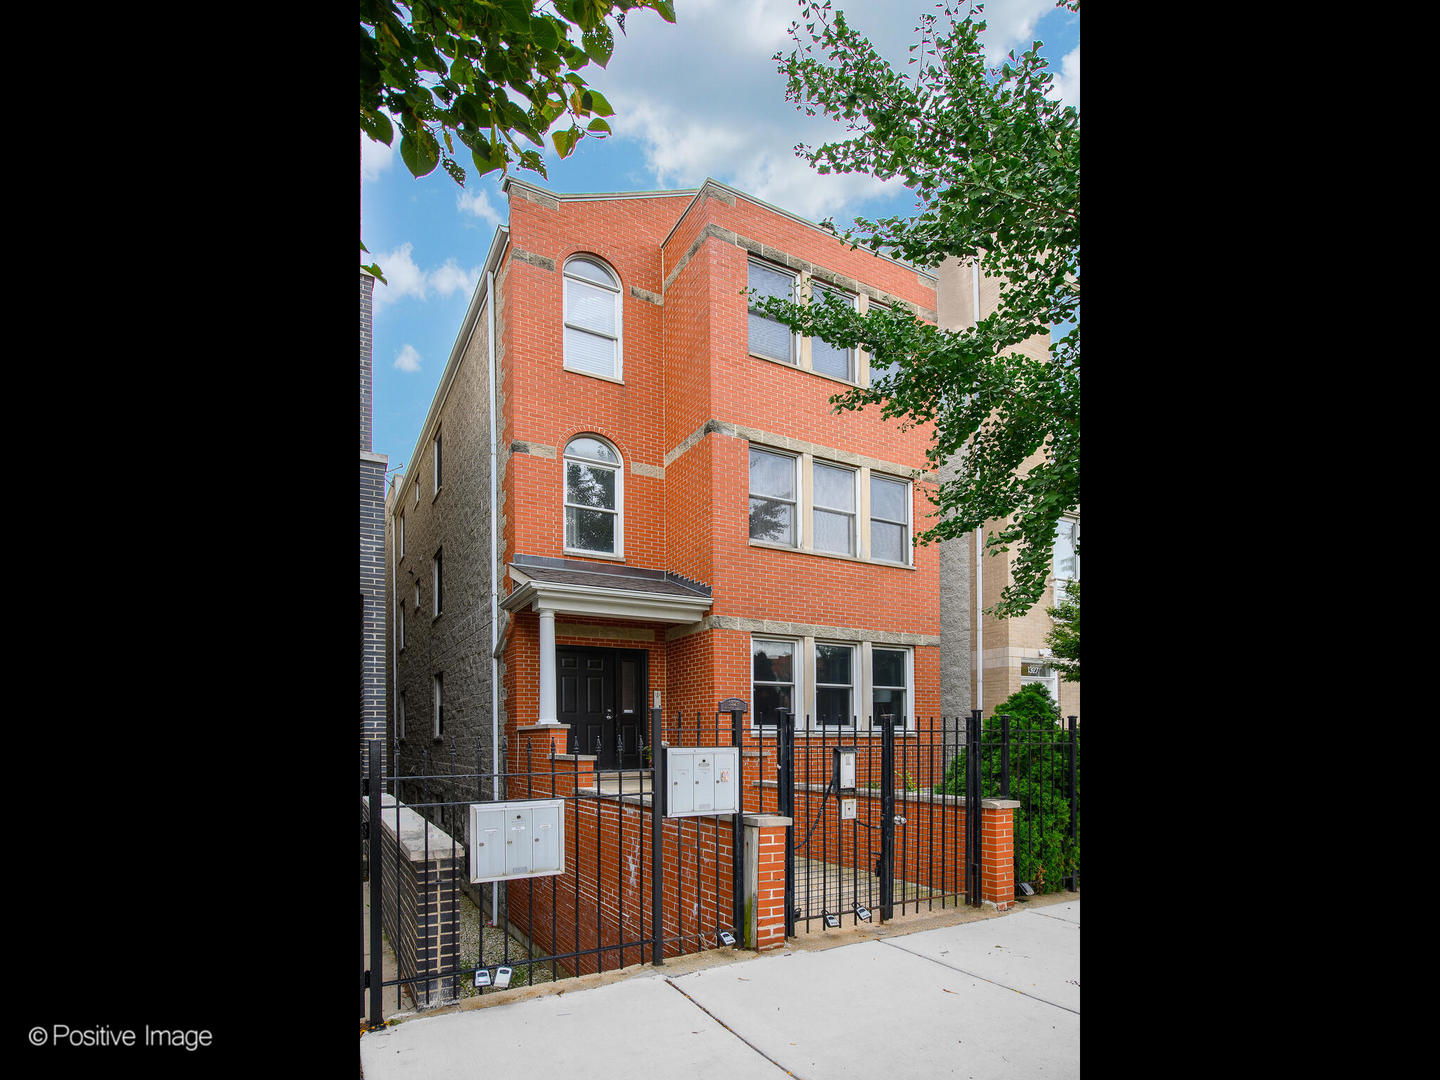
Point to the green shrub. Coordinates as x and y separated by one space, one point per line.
1039 780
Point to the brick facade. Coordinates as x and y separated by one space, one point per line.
372 546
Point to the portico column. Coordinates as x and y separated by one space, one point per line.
547 667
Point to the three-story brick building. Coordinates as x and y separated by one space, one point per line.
679 515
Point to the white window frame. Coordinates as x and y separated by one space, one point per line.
437 572
400 716
417 596
618 374
797 683
400 535
854 684
853 514
907 549
400 626
798 485
794 358
1051 682
618 467
852 374
1061 583
435 456
437 703
909 687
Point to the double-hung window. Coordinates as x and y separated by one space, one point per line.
829 359
834 508
774 492
768 337
773 684
592 318
400 716
1066 556
889 519
400 624
593 497
437 696
834 685
438 580
438 472
890 684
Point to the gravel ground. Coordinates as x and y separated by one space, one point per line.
472 924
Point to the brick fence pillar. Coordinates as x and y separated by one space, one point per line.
764 908
997 852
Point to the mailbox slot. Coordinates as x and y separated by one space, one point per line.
517 839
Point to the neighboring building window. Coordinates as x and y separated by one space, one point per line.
767 336
417 596
417 490
774 491
400 716
438 472
879 370
828 359
592 318
773 679
439 581
1066 556
889 519
834 509
834 684
400 535
890 684
593 497
438 701
400 624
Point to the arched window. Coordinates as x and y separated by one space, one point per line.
594 497
592 318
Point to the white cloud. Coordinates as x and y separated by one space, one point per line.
1066 86
405 278
478 203
375 157
408 359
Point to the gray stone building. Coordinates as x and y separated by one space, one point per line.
372 544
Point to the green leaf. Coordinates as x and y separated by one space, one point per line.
598 125
595 102
419 151
565 140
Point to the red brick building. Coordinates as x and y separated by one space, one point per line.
680 516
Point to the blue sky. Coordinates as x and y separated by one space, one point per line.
697 98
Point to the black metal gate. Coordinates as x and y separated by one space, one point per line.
905 838
596 916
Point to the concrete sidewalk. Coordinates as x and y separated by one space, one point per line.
998 997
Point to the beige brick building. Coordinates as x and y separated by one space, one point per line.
1000 655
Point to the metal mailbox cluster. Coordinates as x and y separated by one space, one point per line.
517 839
702 780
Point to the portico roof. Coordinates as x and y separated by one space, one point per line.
574 587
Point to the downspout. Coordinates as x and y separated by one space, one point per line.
494 580
979 555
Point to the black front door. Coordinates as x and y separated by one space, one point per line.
600 694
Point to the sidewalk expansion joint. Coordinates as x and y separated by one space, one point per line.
728 1028
982 978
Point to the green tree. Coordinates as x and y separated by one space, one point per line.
1039 780
482 72
1064 636
994 164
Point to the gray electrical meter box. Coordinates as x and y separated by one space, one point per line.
518 839
702 780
